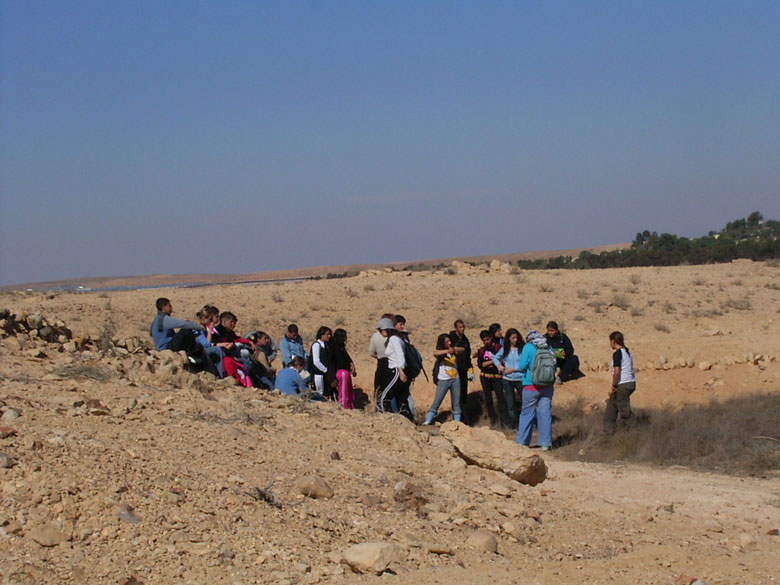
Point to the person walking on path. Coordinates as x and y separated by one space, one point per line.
623 385
537 398
446 377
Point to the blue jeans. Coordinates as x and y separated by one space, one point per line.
510 386
453 386
537 405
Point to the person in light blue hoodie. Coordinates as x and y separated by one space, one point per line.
537 400
507 361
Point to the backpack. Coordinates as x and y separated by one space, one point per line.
414 363
543 367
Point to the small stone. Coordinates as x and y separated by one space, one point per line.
746 541
125 512
9 415
500 489
373 557
13 527
6 461
704 366
47 535
6 432
438 548
334 455
773 532
482 540
313 487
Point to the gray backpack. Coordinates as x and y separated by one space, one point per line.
543 367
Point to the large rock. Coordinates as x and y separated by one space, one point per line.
373 557
482 540
490 449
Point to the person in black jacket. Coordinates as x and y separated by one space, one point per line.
465 367
341 369
560 343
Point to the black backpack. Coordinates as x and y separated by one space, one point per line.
414 362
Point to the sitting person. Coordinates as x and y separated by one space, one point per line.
560 343
289 380
213 354
238 350
165 337
291 346
260 366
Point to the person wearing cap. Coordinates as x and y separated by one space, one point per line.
392 380
376 350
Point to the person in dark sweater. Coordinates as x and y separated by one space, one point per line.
491 380
560 343
464 365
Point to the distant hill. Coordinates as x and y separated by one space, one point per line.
162 280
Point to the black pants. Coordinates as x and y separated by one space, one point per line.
568 365
390 386
619 403
381 366
495 386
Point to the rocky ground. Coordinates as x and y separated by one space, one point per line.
118 466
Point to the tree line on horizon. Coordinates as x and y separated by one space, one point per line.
751 237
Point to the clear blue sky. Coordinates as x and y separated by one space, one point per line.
174 137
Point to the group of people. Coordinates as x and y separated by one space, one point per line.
518 376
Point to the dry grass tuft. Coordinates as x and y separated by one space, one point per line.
739 435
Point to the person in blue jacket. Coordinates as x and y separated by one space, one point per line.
507 361
537 400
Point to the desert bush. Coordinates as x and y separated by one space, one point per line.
621 302
277 297
772 286
583 294
699 282
369 287
739 435
352 294
597 306
738 304
579 317
634 279
669 307
637 312
389 286
662 327
737 282
545 288
340 322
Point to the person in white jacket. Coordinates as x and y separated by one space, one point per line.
392 381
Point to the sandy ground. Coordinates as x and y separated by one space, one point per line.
156 488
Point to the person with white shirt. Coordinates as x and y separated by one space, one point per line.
393 380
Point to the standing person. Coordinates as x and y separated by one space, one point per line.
507 362
491 380
623 385
446 377
318 366
537 395
291 346
376 350
405 393
393 379
341 368
497 334
560 343
465 367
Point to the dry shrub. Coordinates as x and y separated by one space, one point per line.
621 302
97 372
635 279
662 327
740 435
738 304
369 288
637 312
545 288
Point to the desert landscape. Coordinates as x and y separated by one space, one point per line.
119 466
